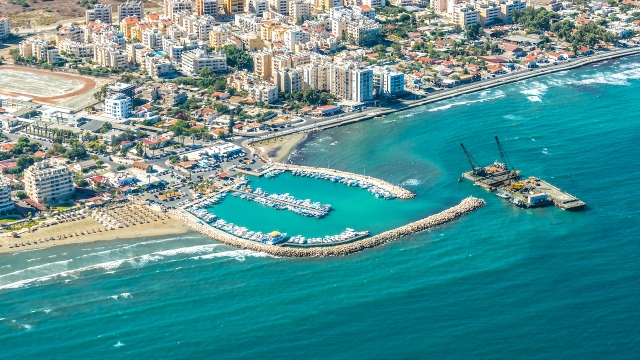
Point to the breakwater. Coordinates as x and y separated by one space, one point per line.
466 206
397 191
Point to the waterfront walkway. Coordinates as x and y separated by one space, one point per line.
397 191
466 206
444 95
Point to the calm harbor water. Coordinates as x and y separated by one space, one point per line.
501 282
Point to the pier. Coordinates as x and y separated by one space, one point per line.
529 193
466 206
396 191
320 212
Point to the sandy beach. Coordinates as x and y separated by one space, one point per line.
168 226
279 148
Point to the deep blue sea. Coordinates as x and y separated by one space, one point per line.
502 282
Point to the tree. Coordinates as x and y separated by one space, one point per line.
124 151
239 59
174 159
139 149
472 32
121 168
21 195
106 127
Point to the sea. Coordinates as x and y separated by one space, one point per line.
501 282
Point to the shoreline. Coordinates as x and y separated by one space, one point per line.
169 225
443 95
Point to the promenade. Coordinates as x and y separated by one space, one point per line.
445 94
397 191
466 206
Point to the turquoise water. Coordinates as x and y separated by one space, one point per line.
501 282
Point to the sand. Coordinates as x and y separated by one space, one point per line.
279 148
172 226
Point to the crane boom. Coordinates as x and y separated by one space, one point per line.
503 155
475 168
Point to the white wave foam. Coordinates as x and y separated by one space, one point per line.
5 266
512 117
114 297
126 295
24 251
535 89
188 250
46 311
27 327
411 182
239 255
534 99
499 94
118 344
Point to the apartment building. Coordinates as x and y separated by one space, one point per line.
75 48
117 106
438 6
279 7
551 5
158 67
70 32
100 12
152 38
373 3
110 55
465 15
294 36
5 27
171 7
507 8
40 49
195 60
257 90
362 85
289 80
387 81
488 12
316 75
324 5
257 7
365 11
206 7
262 64
131 9
233 6
6 204
219 36
45 182
299 10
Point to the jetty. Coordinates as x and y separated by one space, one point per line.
395 190
508 184
466 206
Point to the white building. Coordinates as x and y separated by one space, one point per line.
195 60
100 12
5 27
299 10
117 106
257 7
45 182
6 204
131 9
387 82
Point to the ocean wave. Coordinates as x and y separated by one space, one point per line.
513 117
499 94
535 89
118 344
239 255
126 295
188 250
534 99
411 182
24 251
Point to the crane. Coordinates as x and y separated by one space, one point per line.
503 156
475 168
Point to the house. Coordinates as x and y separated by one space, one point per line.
97 181
516 50
187 165
85 165
556 56
585 51
325 110
218 133
6 147
425 60
414 35
492 69
140 166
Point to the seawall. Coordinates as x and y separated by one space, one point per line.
466 206
397 191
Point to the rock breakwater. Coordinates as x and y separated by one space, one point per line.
397 191
465 207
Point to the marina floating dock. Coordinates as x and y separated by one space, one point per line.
508 184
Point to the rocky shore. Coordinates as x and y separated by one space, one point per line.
466 206
397 191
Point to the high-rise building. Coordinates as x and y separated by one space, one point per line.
6 204
299 10
117 106
206 7
131 9
5 27
195 60
45 182
100 12
234 6
173 6
289 80
262 64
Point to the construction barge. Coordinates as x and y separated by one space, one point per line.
506 182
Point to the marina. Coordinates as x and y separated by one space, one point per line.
532 192
284 202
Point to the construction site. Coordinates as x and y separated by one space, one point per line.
506 182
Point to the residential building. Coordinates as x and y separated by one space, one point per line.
233 6
362 85
117 106
70 32
299 10
195 60
488 12
295 35
131 9
365 11
159 67
257 90
206 7
171 7
551 5
39 49
100 12
387 82
316 75
507 8
289 80
110 55
152 38
262 64
219 36
465 15
373 3
257 7
438 6
45 182
279 7
5 27
75 48
6 204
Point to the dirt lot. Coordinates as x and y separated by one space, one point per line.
43 12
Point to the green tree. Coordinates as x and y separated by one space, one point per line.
21 195
472 32
239 59
121 168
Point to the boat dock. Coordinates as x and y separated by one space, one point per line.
526 193
283 202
